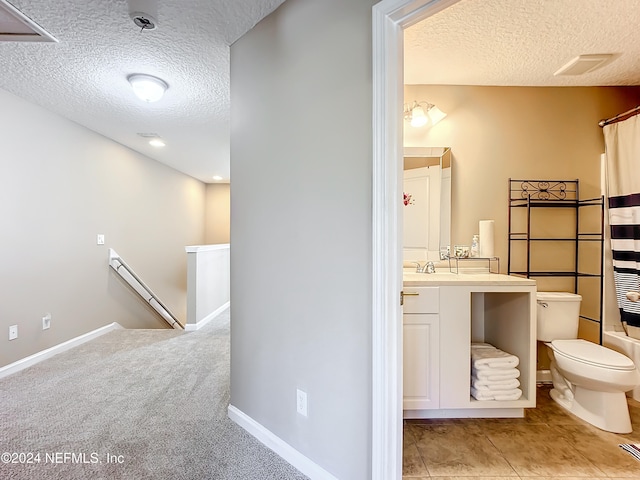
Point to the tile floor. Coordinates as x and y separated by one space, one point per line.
548 443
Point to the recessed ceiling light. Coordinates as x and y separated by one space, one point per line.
217 178
584 63
157 142
147 87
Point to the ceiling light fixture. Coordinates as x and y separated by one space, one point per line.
147 87
421 113
217 178
154 139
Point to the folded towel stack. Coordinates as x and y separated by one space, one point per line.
494 375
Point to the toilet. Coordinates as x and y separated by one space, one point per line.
589 380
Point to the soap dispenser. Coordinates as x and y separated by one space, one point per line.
475 246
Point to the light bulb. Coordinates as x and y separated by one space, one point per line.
418 117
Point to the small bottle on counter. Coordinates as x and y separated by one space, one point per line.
475 246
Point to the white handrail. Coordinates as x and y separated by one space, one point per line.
127 273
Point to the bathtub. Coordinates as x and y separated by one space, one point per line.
620 342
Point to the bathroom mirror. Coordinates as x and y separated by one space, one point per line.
427 203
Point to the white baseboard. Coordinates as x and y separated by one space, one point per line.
50 352
286 451
190 327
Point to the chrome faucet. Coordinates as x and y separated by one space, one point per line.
428 267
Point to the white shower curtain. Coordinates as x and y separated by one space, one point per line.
622 142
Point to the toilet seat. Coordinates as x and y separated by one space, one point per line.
592 354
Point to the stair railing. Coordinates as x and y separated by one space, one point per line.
127 273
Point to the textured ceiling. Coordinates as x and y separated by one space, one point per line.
83 77
523 42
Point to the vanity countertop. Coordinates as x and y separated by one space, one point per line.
412 279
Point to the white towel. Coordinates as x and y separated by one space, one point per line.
484 358
494 386
481 345
495 375
506 395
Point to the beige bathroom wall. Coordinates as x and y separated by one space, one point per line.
217 213
525 133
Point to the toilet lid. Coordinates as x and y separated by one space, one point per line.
592 354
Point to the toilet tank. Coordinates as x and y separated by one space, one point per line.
557 314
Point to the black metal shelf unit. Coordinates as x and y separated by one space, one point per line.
555 194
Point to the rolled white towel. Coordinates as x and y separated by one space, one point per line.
505 396
481 345
494 386
495 375
482 395
492 358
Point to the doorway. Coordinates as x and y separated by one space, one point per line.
390 18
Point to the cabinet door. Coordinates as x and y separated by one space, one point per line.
421 369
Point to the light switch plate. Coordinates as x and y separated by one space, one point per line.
46 321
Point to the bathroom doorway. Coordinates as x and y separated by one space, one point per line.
390 17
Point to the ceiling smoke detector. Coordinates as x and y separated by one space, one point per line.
144 13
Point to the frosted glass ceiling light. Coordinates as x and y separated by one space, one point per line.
418 114
147 88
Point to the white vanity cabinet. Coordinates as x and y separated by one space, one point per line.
421 351
437 333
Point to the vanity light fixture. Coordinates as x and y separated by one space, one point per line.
147 88
421 113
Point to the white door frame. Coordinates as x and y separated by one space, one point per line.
390 18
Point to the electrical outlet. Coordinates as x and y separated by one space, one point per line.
100 239
46 321
301 402
13 332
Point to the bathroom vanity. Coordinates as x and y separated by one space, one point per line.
443 314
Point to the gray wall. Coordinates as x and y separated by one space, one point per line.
301 163
61 185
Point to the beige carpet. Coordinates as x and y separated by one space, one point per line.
132 404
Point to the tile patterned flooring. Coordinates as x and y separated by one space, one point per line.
548 443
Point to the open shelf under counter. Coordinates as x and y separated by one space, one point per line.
490 308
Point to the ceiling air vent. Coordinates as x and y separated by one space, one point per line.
584 63
17 27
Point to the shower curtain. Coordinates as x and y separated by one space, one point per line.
622 143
